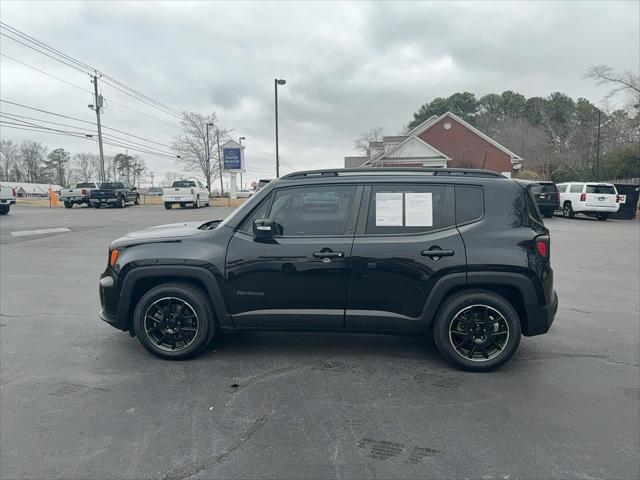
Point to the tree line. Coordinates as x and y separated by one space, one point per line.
32 162
556 135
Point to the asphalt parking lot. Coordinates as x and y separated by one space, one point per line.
82 400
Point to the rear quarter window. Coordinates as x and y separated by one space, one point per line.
469 204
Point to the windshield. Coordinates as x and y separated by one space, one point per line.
603 189
183 184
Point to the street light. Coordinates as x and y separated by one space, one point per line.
276 82
208 160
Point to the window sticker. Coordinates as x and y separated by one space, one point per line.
418 210
388 209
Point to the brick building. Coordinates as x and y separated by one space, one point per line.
444 141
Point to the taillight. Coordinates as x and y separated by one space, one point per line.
558 196
583 197
13 192
542 244
113 257
84 192
618 199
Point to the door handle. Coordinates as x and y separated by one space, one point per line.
437 253
328 254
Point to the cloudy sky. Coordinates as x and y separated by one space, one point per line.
348 66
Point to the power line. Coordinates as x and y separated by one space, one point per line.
76 119
3 114
87 90
84 68
46 73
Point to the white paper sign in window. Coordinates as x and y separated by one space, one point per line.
388 209
418 210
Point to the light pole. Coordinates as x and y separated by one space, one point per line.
276 82
240 141
208 159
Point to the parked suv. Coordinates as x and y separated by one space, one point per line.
460 254
547 197
592 199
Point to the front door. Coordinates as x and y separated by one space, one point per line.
297 280
405 241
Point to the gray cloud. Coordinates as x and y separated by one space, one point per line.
348 66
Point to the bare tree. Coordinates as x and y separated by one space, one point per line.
32 156
191 145
9 156
626 81
138 167
86 165
361 144
169 178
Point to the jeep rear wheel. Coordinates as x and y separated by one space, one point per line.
174 321
477 330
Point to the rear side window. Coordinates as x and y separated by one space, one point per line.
409 209
576 188
604 189
469 204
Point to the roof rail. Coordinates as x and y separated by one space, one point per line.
471 172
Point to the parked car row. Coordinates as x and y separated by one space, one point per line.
594 199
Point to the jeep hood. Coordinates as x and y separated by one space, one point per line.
164 233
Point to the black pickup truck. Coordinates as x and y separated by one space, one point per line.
115 193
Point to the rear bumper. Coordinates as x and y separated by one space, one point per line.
597 208
540 318
178 199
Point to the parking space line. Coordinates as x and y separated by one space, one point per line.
42 231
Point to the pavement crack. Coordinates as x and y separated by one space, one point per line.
191 471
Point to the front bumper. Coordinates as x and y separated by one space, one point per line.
540 318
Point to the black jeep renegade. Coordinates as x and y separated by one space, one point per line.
460 254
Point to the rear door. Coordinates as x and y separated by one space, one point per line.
405 241
297 280
598 195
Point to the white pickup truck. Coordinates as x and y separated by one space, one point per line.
184 192
79 193
7 198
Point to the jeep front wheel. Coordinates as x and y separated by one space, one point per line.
477 330
174 321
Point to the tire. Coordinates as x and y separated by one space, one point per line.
182 205
167 205
68 205
567 210
196 204
4 209
548 213
602 216
89 204
122 203
158 336
487 350
137 200
96 205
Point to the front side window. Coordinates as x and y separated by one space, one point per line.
260 212
408 209
576 188
313 210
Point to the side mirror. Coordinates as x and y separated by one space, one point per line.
264 229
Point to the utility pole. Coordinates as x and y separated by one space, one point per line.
276 82
598 151
151 173
208 160
220 163
240 141
97 109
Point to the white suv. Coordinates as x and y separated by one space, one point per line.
590 198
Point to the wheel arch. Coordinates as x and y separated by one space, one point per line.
140 280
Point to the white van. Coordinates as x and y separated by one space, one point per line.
588 198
